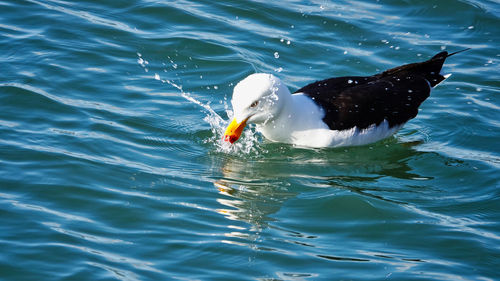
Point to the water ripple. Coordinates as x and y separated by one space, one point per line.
112 164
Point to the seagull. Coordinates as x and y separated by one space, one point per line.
334 112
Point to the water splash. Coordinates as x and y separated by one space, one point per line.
248 142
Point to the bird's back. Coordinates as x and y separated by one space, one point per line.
362 101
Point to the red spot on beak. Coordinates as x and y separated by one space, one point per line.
234 130
231 139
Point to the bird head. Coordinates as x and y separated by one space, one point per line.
257 99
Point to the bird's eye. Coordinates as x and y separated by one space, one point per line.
254 104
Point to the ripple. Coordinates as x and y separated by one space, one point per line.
92 18
112 160
42 209
74 103
92 238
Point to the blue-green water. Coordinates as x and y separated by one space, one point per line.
112 168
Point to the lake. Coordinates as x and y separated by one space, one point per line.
112 164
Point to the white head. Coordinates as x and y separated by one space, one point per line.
259 98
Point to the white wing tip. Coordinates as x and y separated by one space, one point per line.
446 76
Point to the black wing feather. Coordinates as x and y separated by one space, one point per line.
393 95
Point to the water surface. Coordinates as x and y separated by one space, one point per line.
112 165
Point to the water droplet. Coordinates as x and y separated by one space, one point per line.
345 52
216 87
288 42
471 27
276 55
349 81
157 76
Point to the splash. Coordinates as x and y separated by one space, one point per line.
248 142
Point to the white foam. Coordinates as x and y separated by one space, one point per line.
248 142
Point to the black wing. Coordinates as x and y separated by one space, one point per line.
393 95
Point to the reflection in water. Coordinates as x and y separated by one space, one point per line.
252 192
257 187
254 189
264 198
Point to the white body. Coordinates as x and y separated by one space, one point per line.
301 123
296 119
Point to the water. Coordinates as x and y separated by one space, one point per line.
112 165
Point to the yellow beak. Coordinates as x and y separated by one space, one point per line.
234 130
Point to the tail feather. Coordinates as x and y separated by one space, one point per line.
438 61
444 77
454 53
444 54
429 69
